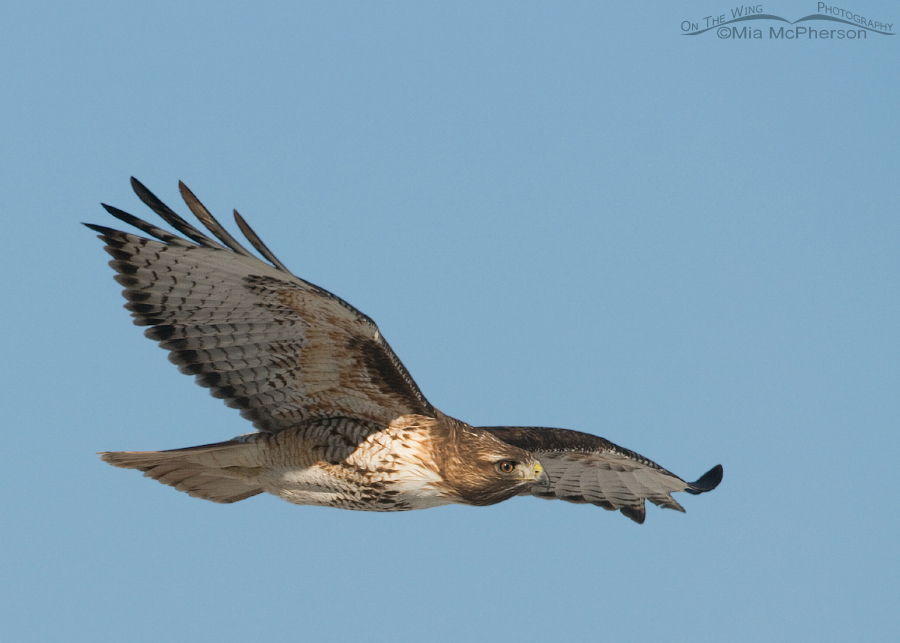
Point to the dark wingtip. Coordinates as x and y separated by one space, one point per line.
186 193
141 190
637 514
96 228
116 212
707 482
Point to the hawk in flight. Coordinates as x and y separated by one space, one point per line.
339 421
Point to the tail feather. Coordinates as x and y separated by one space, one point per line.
222 472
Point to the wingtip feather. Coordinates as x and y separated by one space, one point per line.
707 482
98 228
637 514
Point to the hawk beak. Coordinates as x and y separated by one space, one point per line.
540 476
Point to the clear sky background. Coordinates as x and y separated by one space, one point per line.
559 214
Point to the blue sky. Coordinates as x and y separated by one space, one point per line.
559 214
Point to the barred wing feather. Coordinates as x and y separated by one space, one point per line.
584 468
278 348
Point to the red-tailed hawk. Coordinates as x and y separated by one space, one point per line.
339 421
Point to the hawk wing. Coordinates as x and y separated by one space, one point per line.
270 344
584 468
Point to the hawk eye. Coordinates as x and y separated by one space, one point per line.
506 466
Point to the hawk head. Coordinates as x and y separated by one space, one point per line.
479 469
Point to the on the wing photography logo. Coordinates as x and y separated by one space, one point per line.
851 25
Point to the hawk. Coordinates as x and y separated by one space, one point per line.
339 421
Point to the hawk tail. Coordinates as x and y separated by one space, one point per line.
223 472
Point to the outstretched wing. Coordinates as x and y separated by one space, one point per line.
584 468
270 344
